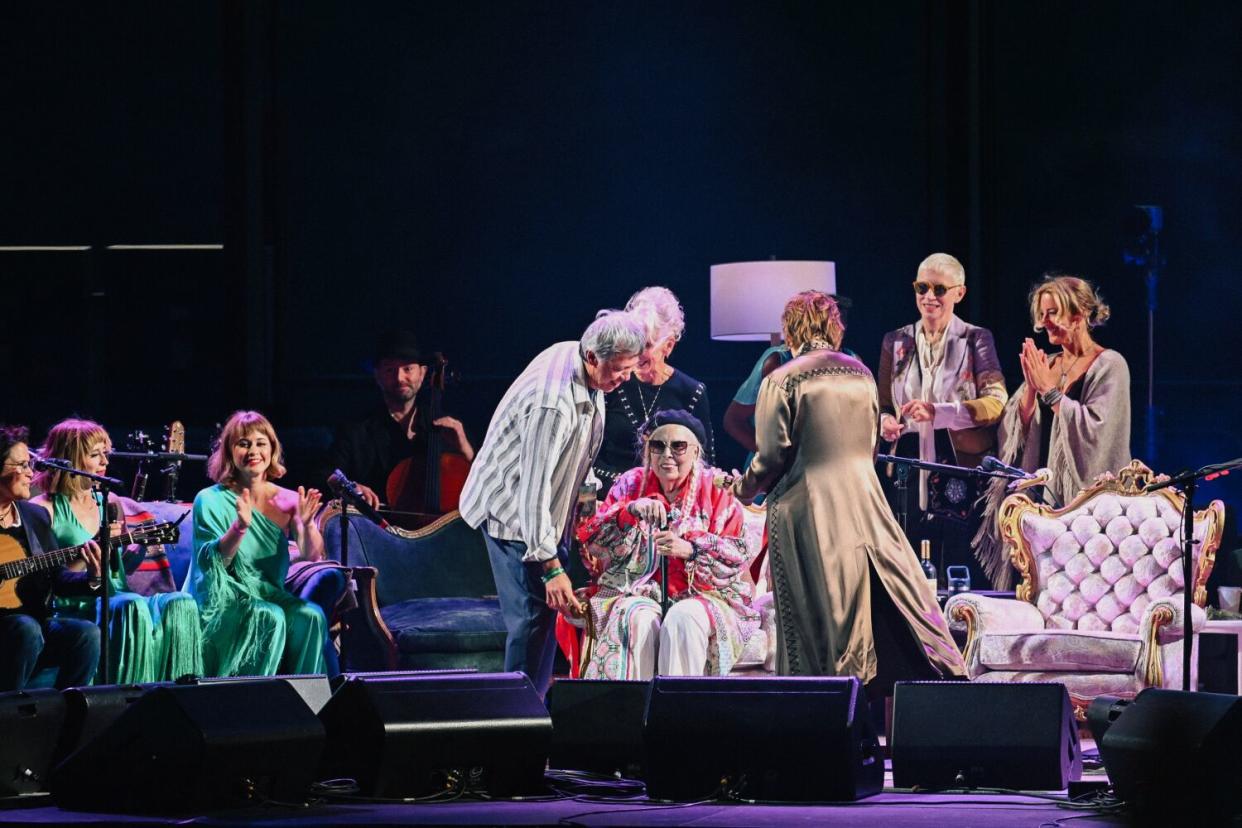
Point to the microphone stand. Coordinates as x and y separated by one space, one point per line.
953 471
103 485
1188 481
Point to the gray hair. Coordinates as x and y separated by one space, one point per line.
946 265
614 333
660 309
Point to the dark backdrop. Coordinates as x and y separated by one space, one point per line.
490 174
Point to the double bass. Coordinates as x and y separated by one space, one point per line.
444 471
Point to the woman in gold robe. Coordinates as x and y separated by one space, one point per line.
851 599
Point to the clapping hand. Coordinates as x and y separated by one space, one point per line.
245 508
1036 368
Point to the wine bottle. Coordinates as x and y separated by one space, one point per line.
929 568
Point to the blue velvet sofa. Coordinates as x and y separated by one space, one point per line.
427 598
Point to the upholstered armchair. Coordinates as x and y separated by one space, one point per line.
426 598
1100 604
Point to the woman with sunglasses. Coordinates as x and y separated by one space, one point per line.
668 509
851 599
941 394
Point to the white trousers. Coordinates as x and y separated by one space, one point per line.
678 644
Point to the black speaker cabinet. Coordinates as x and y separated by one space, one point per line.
31 722
314 690
777 739
1173 756
194 748
953 734
90 710
415 735
597 726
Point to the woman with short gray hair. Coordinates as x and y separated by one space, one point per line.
656 386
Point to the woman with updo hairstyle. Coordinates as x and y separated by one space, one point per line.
150 638
851 598
656 386
1071 415
242 528
668 508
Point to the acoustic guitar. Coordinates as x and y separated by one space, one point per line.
15 564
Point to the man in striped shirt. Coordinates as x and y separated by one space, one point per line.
523 485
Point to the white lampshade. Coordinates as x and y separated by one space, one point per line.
748 298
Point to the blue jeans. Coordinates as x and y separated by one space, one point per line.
324 589
28 645
530 623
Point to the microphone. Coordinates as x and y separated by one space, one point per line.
47 463
990 463
346 489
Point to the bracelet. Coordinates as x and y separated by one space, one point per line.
552 573
1051 397
239 529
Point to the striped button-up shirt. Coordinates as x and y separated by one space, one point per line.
524 482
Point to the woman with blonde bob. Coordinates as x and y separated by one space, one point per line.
1071 414
150 638
851 599
242 528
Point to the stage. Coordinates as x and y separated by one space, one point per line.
893 807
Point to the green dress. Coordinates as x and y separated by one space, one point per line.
150 638
251 624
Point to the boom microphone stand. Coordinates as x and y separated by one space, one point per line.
104 486
1188 482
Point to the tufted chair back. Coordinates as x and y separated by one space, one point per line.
1098 563
1100 604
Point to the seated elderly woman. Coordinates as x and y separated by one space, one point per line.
668 507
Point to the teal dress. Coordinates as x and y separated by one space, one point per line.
150 638
251 625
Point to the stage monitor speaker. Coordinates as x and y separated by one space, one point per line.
313 689
1173 757
956 734
90 710
773 739
418 735
597 726
31 722
195 748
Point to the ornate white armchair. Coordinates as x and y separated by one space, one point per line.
1100 604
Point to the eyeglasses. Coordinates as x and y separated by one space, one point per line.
22 467
677 447
921 288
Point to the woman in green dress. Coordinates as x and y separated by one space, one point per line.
242 529
150 638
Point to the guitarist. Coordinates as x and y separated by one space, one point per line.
367 450
29 638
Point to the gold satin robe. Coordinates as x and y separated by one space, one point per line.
828 523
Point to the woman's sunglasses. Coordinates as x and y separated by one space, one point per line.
921 288
677 447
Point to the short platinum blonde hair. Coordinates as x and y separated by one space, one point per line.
1074 296
614 333
946 265
660 309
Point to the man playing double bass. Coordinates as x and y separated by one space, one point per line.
369 450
